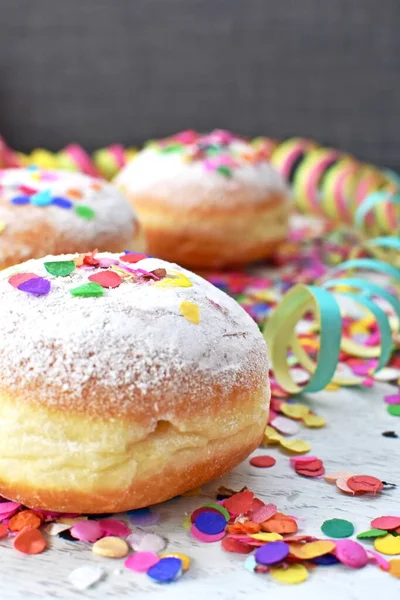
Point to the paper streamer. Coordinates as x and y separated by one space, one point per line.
282 338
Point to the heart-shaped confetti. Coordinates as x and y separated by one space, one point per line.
107 279
37 286
88 290
60 268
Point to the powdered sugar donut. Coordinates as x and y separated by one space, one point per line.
207 200
52 212
122 383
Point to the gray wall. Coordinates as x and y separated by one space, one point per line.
98 71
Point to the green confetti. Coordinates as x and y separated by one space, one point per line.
371 533
337 528
88 289
171 148
225 171
394 410
61 268
85 212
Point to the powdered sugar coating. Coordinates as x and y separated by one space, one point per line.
151 169
113 219
65 351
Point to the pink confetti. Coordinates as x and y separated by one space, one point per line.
350 553
392 399
87 531
140 562
114 527
205 537
8 508
378 560
264 513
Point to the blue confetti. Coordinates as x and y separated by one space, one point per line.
166 570
210 522
326 560
21 200
61 202
42 198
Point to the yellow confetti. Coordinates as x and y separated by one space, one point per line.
312 549
332 387
264 536
311 420
183 557
2 226
272 436
111 546
296 446
291 575
187 523
394 567
294 411
389 544
174 279
190 311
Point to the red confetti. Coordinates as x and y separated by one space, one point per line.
231 545
19 278
365 483
90 259
240 503
24 189
132 258
262 461
107 279
386 523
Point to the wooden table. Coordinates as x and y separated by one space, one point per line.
352 440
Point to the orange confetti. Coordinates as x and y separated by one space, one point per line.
96 186
74 193
280 523
25 518
394 567
30 541
246 527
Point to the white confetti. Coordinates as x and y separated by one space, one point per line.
146 542
299 376
84 577
387 374
285 425
56 528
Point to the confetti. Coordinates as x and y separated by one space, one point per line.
85 577
61 268
18 278
42 198
386 523
262 461
141 541
85 212
297 446
239 503
61 202
219 508
2 226
107 279
208 538
190 311
87 531
25 518
351 554
312 549
88 290
132 257
389 544
210 523
140 562
231 545
264 513
311 420
182 557
21 200
285 425
272 553
371 533
394 567
394 410
166 570
333 477
143 517
280 523
337 528
364 484
37 287
30 541
114 527
290 575
111 546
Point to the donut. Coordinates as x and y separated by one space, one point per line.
52 212
207 201
125 381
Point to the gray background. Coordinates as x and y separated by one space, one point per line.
100 71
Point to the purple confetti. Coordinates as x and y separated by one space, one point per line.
37 286
272 553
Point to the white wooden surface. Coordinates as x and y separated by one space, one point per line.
352 440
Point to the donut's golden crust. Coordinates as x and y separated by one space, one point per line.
212 235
